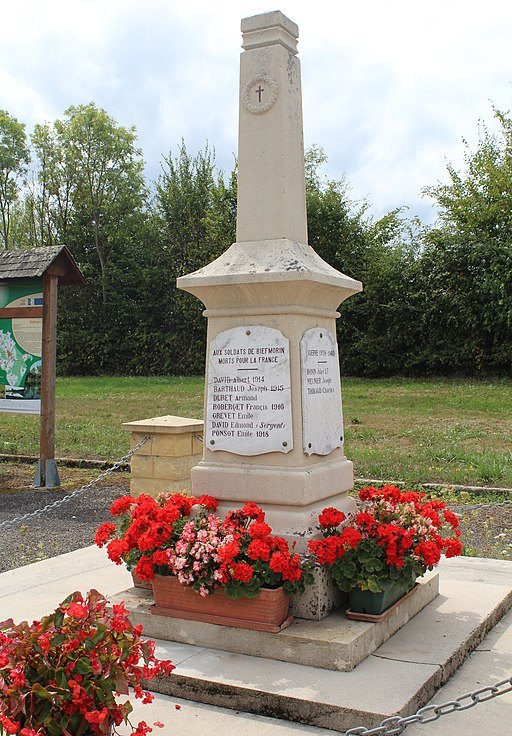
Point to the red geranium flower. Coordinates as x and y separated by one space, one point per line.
350 537
121 505
258 550
253 511
115 549
429 551
259 530
331 517
395 529
144 569
228 551
103 533
452 547
208 501
327 551
242 572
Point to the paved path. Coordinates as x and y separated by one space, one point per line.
31 591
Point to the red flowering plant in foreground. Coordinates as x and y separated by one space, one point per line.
238 553
65 675
396 536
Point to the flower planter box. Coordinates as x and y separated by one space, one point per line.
139 583
372 607
267 612
364 601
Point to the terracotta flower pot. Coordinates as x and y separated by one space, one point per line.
139 583
267 612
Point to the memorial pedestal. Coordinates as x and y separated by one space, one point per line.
267 305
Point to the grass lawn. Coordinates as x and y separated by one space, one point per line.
452 431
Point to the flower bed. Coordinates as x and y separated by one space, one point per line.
182 536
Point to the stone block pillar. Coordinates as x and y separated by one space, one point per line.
164 462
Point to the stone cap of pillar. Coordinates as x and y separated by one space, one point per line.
267 29
267 272
164 425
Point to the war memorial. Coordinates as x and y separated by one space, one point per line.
273 439
273 434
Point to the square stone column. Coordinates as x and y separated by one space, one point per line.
165 460
273 412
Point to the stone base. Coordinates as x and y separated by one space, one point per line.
335 643
272 486
303 486
319 598
402 675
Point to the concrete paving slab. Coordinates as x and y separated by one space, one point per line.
416 660
36 589
489 664
32 591
477 569
499 638
335 700
183 718
453 624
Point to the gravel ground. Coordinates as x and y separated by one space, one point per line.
488 532
60 530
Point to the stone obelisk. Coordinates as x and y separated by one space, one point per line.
273 410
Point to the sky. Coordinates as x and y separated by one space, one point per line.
390 89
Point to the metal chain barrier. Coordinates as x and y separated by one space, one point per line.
78 491
463 507
430 713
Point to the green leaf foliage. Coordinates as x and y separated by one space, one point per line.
435 301
14 160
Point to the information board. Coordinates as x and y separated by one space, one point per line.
248 406
20 351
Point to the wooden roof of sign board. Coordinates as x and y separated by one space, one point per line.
30 263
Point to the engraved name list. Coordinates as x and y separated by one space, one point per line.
248 408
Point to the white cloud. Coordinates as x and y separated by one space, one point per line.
389 88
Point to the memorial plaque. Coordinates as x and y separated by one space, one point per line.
322 419
248 404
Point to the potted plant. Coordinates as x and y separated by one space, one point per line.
377 554
231 571
63 675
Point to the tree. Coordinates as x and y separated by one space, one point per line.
478 201
196 217
467 261
91 196
14 159
91 185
